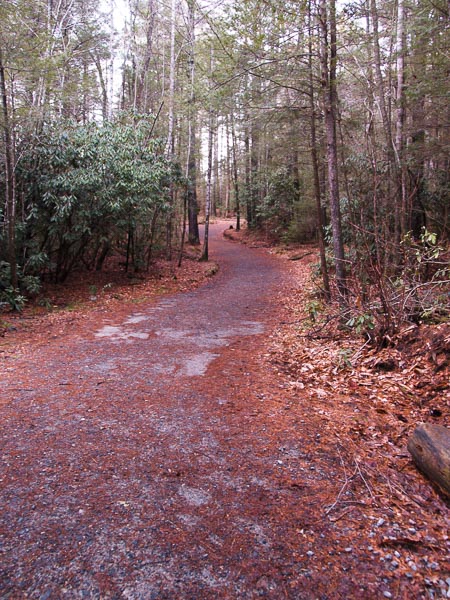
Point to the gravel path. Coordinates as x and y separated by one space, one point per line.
150 454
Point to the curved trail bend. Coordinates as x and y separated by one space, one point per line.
148 458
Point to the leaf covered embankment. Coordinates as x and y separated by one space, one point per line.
369 403
365 403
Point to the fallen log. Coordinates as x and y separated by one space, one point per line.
429 446
300 256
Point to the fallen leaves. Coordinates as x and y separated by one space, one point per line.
366 403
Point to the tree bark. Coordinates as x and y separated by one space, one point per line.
315 167
429 446
255 147
235 173
329 85
9 178
208 184
141 96
400 121
210 166
391 157
192 207
248 173
170 144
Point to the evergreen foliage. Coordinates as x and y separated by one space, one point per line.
325 118
90 190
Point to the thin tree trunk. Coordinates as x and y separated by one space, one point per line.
391 151
141 97
170 145
111 60
329 83
152 237
208 184
194 237
235 174
103 86
372 145
254 159
9 178
399 134
210 165
379 78
183 230
315 166
170 136
248 172
215 199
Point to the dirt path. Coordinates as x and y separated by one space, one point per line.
151 455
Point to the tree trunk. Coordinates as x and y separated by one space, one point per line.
235 174
315 167
208 184
429 446
103 85
141 102
400 121
9 178
390 151
329 84
210 166
255 138
171 117
248 174
379 78
216 195
192 207
170 145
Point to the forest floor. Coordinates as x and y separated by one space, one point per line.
207 445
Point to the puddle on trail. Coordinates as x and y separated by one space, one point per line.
138 318
197 365
117 333
197 344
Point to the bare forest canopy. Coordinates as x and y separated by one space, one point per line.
313 121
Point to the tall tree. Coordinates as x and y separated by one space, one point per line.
191 170
209 170
315 160
10 178
327 16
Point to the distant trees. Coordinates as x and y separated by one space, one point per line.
50 56
330 122
353 140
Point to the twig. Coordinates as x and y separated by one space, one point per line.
358 352
341 491
300 256
343 513
327 321
364 480
346 482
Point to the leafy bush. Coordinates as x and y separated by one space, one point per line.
277 206
15 297
92 189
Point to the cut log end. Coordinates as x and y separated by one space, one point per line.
429 446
